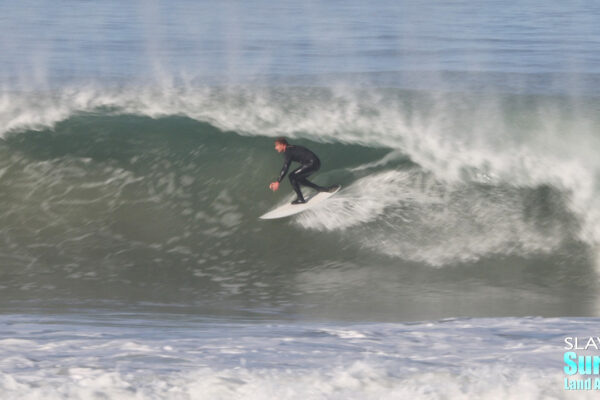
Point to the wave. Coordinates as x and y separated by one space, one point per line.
410 210
166 209
520 140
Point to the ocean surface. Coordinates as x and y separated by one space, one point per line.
136 150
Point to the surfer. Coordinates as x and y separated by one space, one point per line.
309 164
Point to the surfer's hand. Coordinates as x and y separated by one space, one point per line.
274 186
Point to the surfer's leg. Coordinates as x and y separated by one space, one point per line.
295 184
304 172
306 182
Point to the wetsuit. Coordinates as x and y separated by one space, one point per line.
310 163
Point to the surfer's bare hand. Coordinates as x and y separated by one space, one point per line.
274 186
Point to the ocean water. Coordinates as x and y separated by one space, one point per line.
136 152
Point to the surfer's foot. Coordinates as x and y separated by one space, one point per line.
299 201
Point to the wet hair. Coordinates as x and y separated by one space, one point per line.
281 140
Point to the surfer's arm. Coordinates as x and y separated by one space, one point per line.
284 169
286 165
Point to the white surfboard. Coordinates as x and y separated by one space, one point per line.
290 209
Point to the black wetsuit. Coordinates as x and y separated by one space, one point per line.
310 163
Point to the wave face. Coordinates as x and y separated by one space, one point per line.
147 195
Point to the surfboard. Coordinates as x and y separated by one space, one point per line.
290 209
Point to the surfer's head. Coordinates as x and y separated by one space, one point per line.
280 144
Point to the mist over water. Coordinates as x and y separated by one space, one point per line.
44 44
